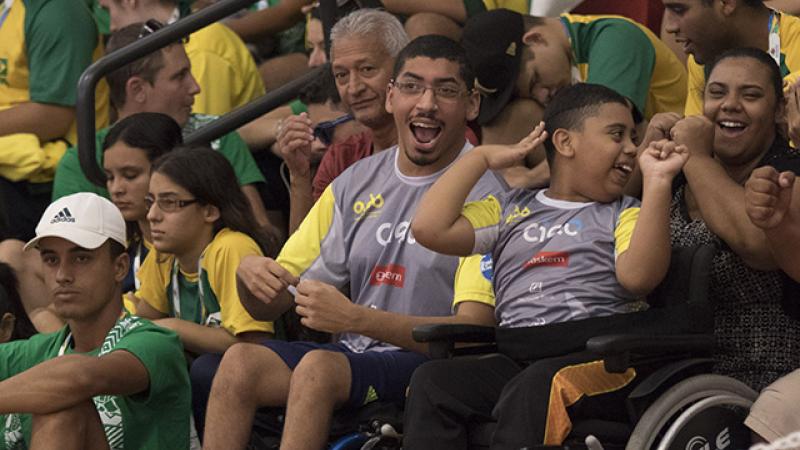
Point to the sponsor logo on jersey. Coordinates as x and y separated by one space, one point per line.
388 232
368 208
535 232
552 259
390 274
518 214
487 267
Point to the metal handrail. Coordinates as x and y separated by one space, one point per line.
240 116
85 112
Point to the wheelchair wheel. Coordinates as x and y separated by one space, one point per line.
696 414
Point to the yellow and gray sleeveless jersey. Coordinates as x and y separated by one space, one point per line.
358 234
547 260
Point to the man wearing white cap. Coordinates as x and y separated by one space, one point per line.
107 380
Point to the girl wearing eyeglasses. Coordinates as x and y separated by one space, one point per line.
201 227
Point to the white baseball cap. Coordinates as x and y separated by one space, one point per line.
85 219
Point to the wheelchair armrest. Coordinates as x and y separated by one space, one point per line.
616 349
441 338
456 332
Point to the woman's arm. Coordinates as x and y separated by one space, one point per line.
719 198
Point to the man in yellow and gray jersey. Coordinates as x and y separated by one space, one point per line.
357 235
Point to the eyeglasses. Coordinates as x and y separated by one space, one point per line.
324 130
151 26
167 204
415 89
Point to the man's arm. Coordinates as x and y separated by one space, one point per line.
438 223
294 146
454 9
65 381
268 22
644 264
261 284
322 307
46 121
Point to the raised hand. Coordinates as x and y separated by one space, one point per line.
663 159
768 196
295 136
660 127
504 156
696 133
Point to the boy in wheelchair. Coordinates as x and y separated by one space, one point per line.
577 250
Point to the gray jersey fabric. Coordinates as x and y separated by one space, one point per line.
369 246
553 260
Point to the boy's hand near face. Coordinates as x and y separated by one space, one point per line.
504 156
438 223
662 159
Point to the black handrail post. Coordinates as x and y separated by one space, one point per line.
94 73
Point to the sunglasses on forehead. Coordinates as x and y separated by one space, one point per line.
153 25
324 130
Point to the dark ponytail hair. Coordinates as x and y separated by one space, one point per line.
210 178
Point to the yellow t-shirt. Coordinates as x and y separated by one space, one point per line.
220 305
789 32
224 69
44 48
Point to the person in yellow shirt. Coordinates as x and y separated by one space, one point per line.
221 64
706 28
201 227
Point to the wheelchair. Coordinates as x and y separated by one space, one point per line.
675 405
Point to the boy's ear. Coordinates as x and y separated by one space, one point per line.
727 7
534 36
563 142
7 323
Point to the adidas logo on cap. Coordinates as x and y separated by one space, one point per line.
63 216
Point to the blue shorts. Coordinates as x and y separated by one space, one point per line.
374 375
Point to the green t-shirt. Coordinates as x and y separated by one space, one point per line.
156 419
44 47
627 57
70 178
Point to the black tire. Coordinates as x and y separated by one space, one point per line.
661 413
